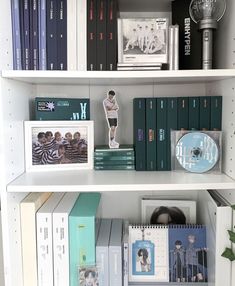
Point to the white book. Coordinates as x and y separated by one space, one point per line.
102 252
45 240
176 47
171 48
82 35
218 219
125 252
28 208
61 239
115 253
72 34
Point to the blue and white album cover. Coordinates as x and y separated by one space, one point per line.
187 253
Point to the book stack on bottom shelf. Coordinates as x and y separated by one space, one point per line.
122 158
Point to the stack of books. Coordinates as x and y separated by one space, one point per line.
122 158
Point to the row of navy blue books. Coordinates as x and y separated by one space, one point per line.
154 118
64 35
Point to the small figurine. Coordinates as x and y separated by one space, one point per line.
111 111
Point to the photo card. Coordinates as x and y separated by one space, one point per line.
88 276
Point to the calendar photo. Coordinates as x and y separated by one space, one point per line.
58 145
142 40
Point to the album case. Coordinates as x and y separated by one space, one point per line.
193 115
190 49
52 108
143 40
196 151
216 113
101 34
91 35
205 112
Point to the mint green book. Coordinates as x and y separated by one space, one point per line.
82 239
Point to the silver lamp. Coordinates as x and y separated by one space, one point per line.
207 13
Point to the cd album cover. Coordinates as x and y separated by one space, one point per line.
196 151
155 211
142 40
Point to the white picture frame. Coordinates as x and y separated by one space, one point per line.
59 150
149 45
149 205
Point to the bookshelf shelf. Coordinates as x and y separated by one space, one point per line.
119 77
105 181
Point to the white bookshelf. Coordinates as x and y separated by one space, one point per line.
122 181
119 77
121 190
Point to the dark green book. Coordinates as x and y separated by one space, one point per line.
114 162
115 167
205 113
161 134
172 115
182 113
114 158
151 142
49 108
139 136
216 113
193 117
123 150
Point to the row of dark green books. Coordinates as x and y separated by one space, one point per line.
154 118
122 158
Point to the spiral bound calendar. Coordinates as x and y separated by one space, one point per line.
167 253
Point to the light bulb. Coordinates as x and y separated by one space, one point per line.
207 13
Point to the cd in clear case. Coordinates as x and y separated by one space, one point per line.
196 151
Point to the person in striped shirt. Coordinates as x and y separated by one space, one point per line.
38 148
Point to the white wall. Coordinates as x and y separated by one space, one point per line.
1 258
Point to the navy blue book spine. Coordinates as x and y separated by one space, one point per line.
16 39
112 35
42 34
34 34
21 11
91 34
101 35
51 35
26 37
62 35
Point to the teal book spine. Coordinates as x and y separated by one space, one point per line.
139 124
216 113
151 142
161 134
182 113
82 222
193 117
172 115
205 113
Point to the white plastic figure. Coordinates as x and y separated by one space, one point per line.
111 111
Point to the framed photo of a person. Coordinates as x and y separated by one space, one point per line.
59 145
143 40
155 211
